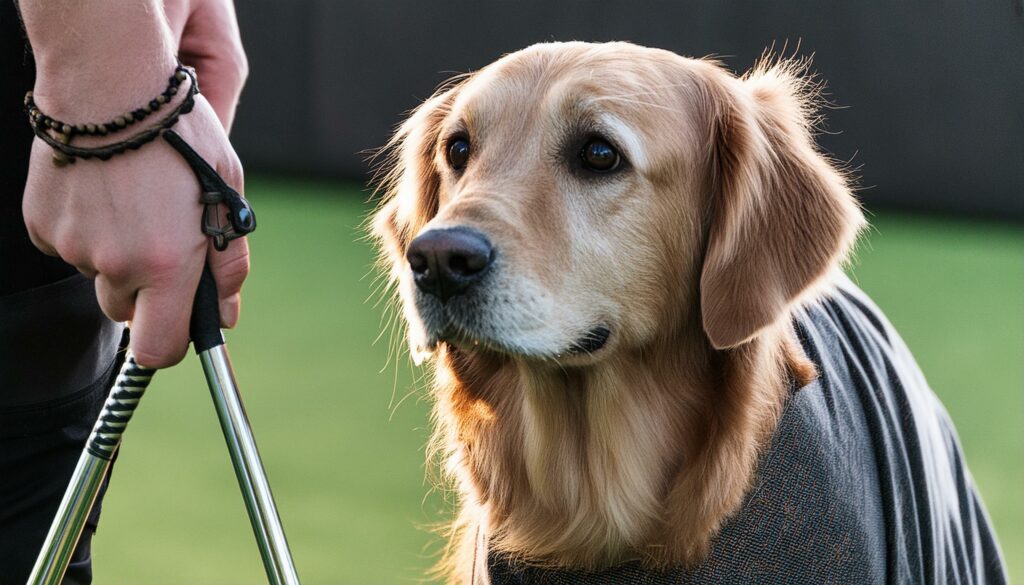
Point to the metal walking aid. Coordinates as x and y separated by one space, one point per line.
266 524
131 383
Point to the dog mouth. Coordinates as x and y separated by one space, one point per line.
462 325
459 338
591 342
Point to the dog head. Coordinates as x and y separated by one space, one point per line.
572 200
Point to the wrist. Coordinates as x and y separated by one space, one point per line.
95 60
59 134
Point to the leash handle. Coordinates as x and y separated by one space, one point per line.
119 407
204 326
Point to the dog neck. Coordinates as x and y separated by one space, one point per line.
641 455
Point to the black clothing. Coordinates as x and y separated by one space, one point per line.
864 481
39 447
57 349
22 266
54 340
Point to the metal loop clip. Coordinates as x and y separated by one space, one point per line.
241 219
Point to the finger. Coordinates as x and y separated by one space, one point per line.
117 302
230 268
160 323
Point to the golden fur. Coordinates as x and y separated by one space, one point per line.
724 218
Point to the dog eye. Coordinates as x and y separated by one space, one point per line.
599 156
458 153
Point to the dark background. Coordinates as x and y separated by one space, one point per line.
931 94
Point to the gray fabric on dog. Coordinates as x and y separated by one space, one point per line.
864 481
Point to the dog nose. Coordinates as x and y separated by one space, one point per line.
445 262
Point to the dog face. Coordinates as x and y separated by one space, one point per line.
557 164
572 200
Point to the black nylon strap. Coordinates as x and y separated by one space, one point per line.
215 191
204 326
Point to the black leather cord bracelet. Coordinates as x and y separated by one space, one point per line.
58 134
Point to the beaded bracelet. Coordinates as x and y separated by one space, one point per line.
62 132
119 123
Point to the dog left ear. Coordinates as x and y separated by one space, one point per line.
783 215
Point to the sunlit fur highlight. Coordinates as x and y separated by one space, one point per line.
729 220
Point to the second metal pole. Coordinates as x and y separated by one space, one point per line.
266 524
88 476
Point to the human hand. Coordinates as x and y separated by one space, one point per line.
133 222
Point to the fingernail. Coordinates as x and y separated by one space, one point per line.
229 309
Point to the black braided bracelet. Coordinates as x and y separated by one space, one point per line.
62 133
38 118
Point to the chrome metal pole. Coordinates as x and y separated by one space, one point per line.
208 341
87 478
252 479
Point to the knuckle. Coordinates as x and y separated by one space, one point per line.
159 262
32 224
33 209
240 62
69 247
115 266
232 171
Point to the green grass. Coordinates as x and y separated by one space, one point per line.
344 451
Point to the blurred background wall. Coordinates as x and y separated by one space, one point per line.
930 94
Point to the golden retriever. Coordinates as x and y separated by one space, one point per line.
599 247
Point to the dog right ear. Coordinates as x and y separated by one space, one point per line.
409 178
783 214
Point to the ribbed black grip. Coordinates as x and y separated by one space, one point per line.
204 328
124 397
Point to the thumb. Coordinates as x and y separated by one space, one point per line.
212 44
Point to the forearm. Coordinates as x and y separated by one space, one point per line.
97 58
132 222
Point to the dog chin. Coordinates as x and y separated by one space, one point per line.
432 323
586 349
457 338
